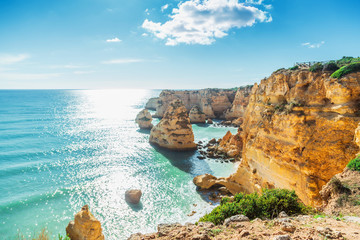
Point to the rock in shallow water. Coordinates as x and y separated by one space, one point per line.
133 196
174 130
144 119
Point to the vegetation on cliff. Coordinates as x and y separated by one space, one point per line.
267 205
354 164
353 67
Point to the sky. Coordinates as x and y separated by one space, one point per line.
157 44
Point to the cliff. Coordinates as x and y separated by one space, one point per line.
174 130
213 102
298 132
143 119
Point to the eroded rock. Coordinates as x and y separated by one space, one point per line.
174 130
133 196
144 119
85 226
196 115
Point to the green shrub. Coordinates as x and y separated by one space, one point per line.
316 67
353 67
347 60
267 205
294 68
330 67
354 164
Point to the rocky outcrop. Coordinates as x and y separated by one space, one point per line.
85 226
239 104
208 181
152 103
174 130
298 132
341 194
133 196
231 145
239 227
212 102
196 115
144 119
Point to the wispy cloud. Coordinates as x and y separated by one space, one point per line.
201 22
27 76
7 59
313 45
83 72
112 40
163 8
123 61
68 66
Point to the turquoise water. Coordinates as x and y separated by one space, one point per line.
61 149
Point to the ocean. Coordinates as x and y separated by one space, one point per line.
62 149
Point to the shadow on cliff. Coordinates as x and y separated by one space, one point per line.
146 131
185 161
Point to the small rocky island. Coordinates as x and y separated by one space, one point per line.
174 130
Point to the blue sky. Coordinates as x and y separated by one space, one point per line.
187 44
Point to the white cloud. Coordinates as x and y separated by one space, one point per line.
123 61
144 34
147 11
313 45
6 59
255 2
163 8
201 22
113 40
68 66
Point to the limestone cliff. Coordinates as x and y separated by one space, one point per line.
196 115
213 102
239 104
298 131
174 130
152 103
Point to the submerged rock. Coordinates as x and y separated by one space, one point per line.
196 115
174 130
144 119
85 226
133 196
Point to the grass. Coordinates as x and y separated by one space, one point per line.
214 232
352 67
316 67
267 205
43 235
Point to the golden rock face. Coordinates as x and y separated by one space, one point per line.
298 132
174 130
143 119
85 226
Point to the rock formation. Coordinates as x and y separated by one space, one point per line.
133 196
239 104
174 130
231 145
298 132
196 115
152 103
212 102
85 226
207 181
144 119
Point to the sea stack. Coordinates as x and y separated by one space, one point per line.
196 115
84 226
143 119
174 130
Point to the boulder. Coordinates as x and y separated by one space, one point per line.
174 130
236 219
143 119
209 121
85 226
133 196
196 115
